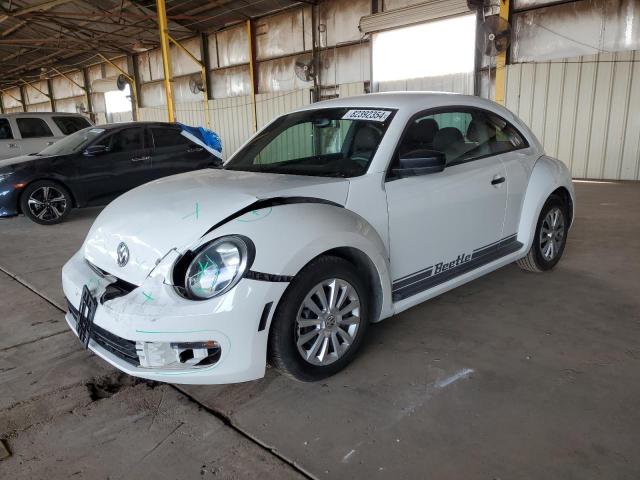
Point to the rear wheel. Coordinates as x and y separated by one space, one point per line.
320 321
550 237
46 202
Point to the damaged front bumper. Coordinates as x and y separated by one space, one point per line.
150 331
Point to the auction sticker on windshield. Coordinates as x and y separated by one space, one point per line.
371 115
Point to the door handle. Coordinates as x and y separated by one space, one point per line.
497 180
140 159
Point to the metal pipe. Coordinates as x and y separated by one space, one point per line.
166 62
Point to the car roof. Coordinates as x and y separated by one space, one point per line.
111 126
405 100
40 114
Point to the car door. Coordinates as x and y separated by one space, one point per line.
444 224
174 153
9 146
123 165
35 133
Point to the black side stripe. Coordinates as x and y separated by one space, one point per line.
425 279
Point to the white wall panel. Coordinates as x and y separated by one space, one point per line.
584 110
272 105
456 83
39 107
10 99
69 104
63 88
34 96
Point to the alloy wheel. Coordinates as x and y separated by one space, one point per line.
552 234
47 203
327 322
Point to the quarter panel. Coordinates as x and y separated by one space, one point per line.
548 175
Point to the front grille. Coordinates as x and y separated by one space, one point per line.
120 347
118 287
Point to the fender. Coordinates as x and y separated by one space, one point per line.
548 175
288 236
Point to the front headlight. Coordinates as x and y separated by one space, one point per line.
217 267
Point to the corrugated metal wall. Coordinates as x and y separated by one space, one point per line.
585 110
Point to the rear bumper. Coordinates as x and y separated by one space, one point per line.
151 318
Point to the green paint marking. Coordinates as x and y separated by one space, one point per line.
183 331
255 215
148 297
195 213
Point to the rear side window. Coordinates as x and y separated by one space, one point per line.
69 125
126 140
169 137
33 128
5 130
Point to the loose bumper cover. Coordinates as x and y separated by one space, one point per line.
152 332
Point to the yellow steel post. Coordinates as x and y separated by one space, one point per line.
501 59
130 79
71 80
203 74
166 62
252 74
48 95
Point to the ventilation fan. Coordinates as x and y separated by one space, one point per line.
196 85
122 82
497 35
304 70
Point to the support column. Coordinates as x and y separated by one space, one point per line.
51 99
22 99
252 72
166 61
87 94
1 103
501 59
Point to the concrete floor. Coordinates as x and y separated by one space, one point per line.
514 375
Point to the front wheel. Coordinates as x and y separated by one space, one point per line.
550 237
46 202
320 321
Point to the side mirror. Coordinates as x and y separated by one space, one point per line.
420 162
93 150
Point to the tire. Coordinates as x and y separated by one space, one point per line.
539 259
46 202
295 322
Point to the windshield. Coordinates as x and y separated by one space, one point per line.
73 143
330 142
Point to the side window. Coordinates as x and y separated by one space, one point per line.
69 125
126 140
5 130
33 128
462 135
169 137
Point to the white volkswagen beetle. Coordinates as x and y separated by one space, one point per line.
340 214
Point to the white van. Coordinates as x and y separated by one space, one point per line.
25 133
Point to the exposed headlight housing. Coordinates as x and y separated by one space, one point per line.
217 267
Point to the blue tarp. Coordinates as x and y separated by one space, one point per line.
205 138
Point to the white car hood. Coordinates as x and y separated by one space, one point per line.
174 212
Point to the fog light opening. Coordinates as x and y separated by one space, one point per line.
197 353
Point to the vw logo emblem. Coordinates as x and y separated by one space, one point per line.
123 254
